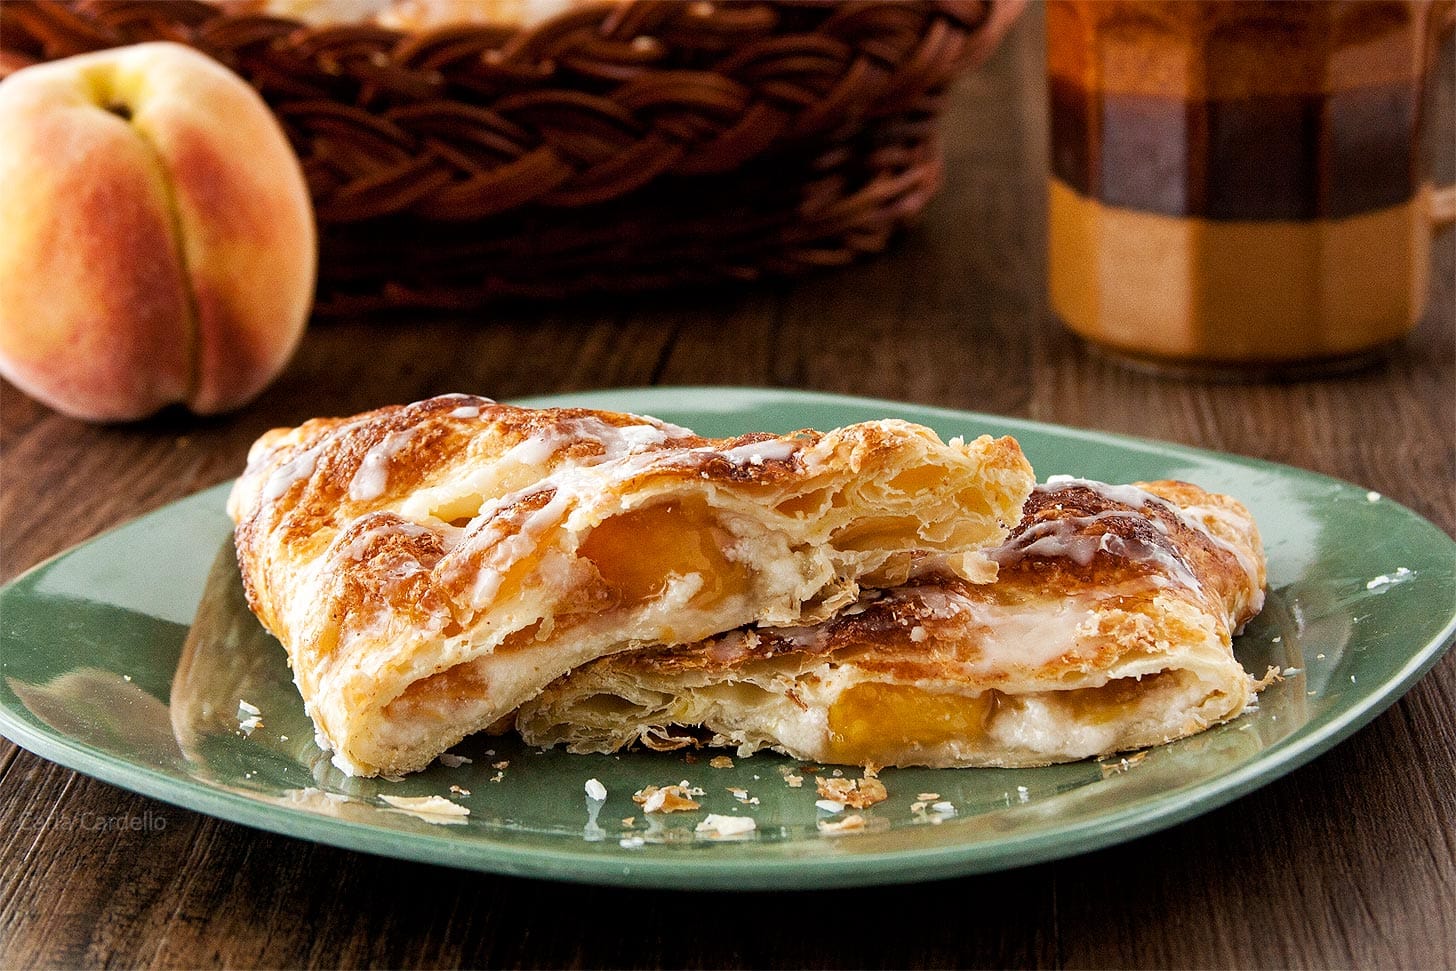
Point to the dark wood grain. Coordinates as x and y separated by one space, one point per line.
1350 861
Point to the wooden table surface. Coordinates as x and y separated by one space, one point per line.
1349 861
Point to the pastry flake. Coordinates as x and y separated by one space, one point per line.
431 567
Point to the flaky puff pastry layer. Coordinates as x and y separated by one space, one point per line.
431 567
1108 629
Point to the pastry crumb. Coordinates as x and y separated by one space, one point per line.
629 821
855 793
502 764
928 796
716 826
721 762
249 718
497 777
1124 763
665 799
849 824
794 781
1271 676
459 791
427 805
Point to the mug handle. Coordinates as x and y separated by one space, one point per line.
1443 198
1443 207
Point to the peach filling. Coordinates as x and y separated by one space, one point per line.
638 551
876 722
884 722
1113 700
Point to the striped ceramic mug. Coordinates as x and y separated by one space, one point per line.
1240 187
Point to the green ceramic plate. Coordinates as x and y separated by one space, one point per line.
126 658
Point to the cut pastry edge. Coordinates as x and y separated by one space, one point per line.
941 729
1110 630
836 711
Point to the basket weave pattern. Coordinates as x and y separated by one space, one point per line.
617 147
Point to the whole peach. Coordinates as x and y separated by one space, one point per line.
157 244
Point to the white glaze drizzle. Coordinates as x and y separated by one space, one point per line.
616 442
497 562
1200 515
1193 517
756 453
1009 635
356 548
635 438
453 394
535 450
296 469
1070 538
1060 537
372 476
673 431
1128 495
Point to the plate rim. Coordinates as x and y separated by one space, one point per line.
730 871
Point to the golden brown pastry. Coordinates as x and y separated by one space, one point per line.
431 567
1109 628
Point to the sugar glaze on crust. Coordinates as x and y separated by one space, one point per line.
430 567
1109 628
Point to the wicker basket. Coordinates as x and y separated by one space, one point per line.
617 147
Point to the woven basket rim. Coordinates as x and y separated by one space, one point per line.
807 128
